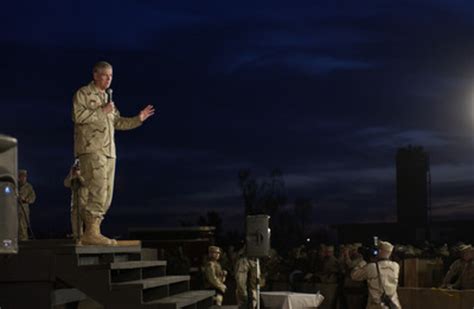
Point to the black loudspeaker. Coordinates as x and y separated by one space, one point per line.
8 192
258 236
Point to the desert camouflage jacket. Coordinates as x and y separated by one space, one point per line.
27 194
389 271
214 276
93 128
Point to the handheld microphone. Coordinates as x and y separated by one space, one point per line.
109 94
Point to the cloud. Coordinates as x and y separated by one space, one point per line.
397 138
453 173
326 91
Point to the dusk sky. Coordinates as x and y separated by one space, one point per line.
327 91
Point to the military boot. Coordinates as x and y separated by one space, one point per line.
92 234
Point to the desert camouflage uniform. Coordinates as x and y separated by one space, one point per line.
79 196
214 278
94 145
246 279
26 194
389 271
463 271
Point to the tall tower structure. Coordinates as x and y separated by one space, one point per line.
413 185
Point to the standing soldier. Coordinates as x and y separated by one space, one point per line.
95 120
26 196
214 276
330 266
354 293
76 183
246 282
382 278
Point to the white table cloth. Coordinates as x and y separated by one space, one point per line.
290 300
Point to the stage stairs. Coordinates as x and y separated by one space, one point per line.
48 273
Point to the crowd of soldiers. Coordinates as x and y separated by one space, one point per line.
344 267
347 268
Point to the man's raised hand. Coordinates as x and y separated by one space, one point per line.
146 112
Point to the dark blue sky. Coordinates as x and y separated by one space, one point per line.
324 90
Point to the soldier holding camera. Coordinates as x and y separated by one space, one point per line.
76 183
382 278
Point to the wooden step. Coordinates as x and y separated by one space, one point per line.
136 264
66 296
184 299
97 255
104 259
67 244
124 247
153 288
136 270
153 282
118 265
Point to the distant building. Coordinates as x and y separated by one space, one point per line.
414 224
413 185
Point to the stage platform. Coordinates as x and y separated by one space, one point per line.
56 272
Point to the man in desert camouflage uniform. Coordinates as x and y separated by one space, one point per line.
214 276
354 293
461 272
330 267
95 120
79 194
387 276
26 196
246 281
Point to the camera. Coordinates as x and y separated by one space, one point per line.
368 252
76 164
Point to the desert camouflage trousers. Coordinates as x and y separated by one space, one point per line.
99 173
79 197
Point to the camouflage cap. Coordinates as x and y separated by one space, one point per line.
410 250
385 246
22 172
464 247
443 250
400 248
212 249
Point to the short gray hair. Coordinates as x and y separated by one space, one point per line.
101 65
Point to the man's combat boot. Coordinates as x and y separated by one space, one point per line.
92 234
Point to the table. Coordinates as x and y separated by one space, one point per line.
290 300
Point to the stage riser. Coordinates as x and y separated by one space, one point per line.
115 277
96 259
